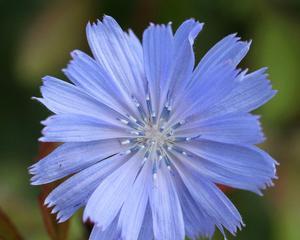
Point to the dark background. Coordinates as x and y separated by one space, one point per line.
37 36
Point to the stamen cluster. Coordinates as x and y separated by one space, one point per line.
154 134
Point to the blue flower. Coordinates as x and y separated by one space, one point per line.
147 136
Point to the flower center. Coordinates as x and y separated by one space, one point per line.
153 135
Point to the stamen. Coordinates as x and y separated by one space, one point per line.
127 141
178 150
170 133
148 103
167 162
139 107
140 123
167 108
138 133
166 158
123 121
133 123
179 124
154 176
165 115
132 118
162 127
193 138
154 169
180 139
158 138
134 149
187 139
153 115
147 154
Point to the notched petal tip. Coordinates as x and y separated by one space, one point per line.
108 18
61 219
43 139
88 26
33 169
35 99
54 210
86 217
274 92
35 181
75 53
44 122
49 202
46 79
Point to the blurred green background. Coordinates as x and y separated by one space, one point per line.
37 36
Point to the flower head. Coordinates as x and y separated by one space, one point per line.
147 136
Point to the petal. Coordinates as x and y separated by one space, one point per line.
158 55
140 77
238 128
166 210
79 128
73 193
137 47
89 76
238 166
230 49
213 201
70 158
183 60
225 54
117 53
251 91
213 86
134 208
196 222
146 232
107 200
62 97
110 233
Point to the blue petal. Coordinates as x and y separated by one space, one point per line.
117 53
79 128
110 233
251 91
146 232
62 97
158 45
196 222
166 210
239 128
183 60
201 95
89 76
229 50
70 158
213 201
107 200
244 167
141 83
73 193
137 47
134 208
